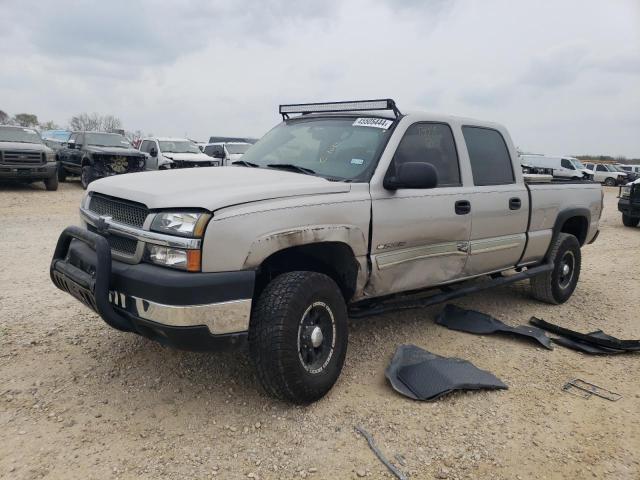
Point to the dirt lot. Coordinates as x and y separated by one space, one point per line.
80 400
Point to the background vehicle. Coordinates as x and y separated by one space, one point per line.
630 174
630 168
629 204
227 152
25 157
562 167
165 153
94 155
55 139
215 139
603 174
328 213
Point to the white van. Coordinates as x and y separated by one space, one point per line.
563 167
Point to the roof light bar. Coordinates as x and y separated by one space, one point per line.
353 106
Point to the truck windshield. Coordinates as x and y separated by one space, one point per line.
19 134
335 148
106 140
577 163
237 147
60 135
178 146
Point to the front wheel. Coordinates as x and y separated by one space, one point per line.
610 182
298 336
51 183
557 285
629 221
86 176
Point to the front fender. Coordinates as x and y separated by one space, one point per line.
273 242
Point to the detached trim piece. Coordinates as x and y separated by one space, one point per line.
609 342
390 259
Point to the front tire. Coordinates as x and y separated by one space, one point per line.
557 285
51 183
298 336
610 182
629 221
86 176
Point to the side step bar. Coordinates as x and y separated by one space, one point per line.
377 308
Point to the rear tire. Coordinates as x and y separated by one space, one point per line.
298 336
51 183
610 182
86 176
630 221
557 286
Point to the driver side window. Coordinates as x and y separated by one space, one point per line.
432 143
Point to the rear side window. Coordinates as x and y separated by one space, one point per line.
430 143
490 160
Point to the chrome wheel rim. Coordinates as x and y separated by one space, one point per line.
316 337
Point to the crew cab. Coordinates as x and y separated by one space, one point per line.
94 155
339 211
24 157
606 174
165 153
226 152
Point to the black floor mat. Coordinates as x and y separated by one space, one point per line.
421 375
471 321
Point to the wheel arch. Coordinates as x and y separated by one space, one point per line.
574 221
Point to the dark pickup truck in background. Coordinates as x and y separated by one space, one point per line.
94 155
24 157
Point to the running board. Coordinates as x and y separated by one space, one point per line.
385 306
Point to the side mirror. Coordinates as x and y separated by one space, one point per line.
412 175
153 152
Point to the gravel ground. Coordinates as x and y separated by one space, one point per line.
80 400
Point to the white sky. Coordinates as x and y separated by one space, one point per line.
563 76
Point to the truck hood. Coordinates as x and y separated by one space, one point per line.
121 152
38 147
190 157
213 188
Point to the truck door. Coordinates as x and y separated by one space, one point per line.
420 236
499 203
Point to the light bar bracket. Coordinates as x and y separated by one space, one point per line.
333 107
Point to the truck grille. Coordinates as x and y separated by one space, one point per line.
123 211
122 245
26 157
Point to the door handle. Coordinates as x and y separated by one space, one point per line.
515 203
462 207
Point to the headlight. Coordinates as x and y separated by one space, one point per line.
174 257
51 157
184 224
626 192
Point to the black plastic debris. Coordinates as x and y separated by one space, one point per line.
471 321
588 348
421 375
601 340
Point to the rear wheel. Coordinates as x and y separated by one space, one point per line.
610 182
51 183
558 285
86 176
298 336
629 221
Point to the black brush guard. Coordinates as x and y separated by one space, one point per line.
91 288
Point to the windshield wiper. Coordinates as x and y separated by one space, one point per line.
291 167
244 163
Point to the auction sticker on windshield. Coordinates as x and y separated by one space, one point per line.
383 123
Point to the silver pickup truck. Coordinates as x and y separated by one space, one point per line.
341 210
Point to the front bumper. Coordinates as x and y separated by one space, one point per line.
28 172
190 311
628 208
